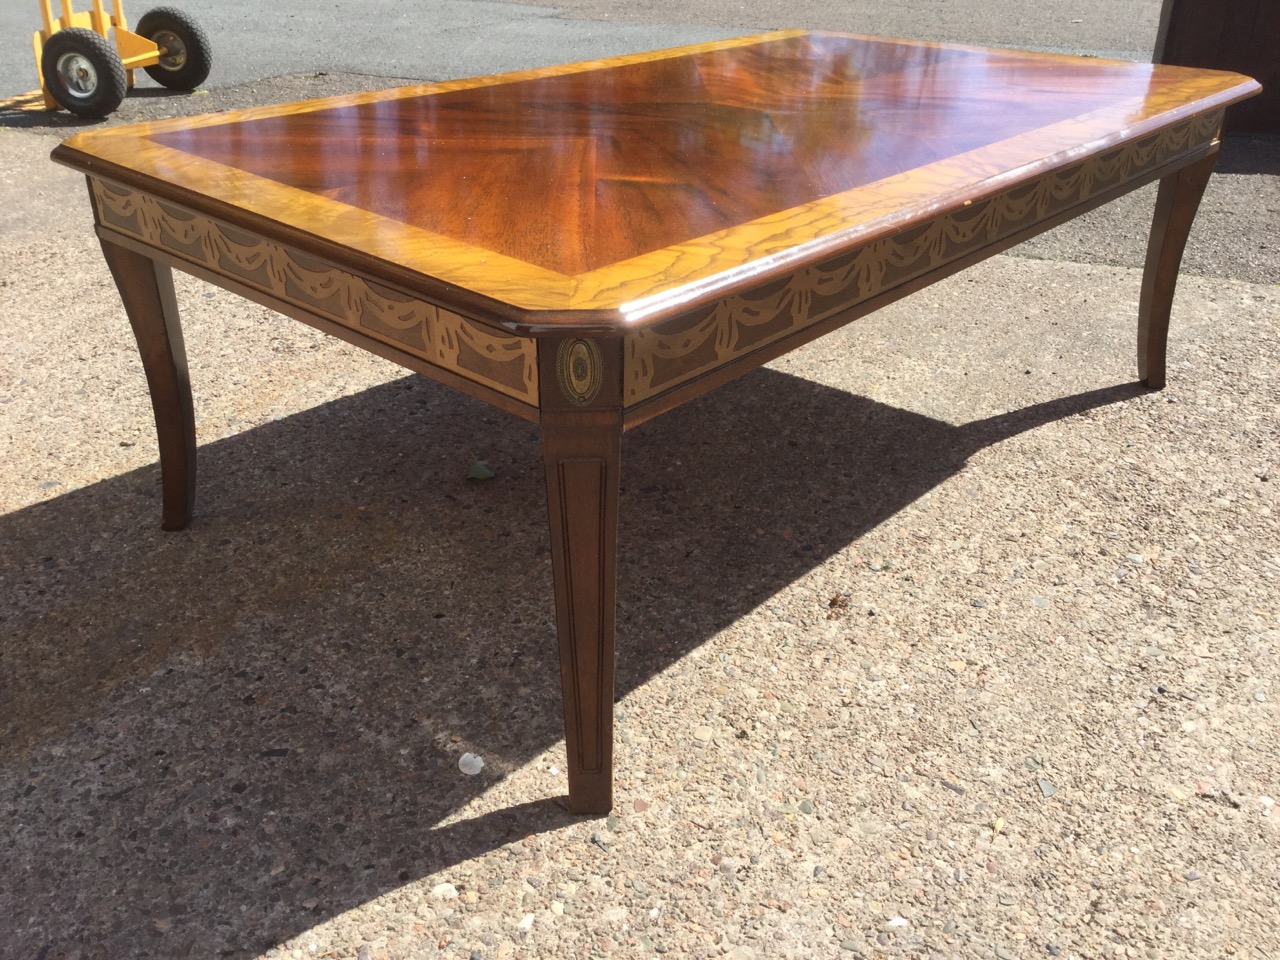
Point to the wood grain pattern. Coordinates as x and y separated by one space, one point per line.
593 170
593 244
476 352
617 194
146 289
582 458
661 357
1176 206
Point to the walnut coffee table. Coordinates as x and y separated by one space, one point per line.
589 246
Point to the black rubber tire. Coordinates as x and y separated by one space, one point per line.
102 72
191 67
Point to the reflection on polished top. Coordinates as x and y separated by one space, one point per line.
577 172
595 184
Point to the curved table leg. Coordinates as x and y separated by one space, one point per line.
146 289
1176 206
582 454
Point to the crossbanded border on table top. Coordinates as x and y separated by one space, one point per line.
503 362
662 357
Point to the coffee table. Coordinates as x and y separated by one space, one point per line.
588 246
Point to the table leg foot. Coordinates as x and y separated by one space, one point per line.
146 289
1176 206
582 456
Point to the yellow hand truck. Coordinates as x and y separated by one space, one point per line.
83 71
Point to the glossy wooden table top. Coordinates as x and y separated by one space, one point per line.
618 192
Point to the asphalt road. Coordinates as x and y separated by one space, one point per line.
435 39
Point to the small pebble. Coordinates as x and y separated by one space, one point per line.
806 806
470 764
1192 875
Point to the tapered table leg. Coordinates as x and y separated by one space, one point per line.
581 447
146 288
1176 206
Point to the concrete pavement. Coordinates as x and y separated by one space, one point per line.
938 638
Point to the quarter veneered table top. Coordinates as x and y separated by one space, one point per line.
620 187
